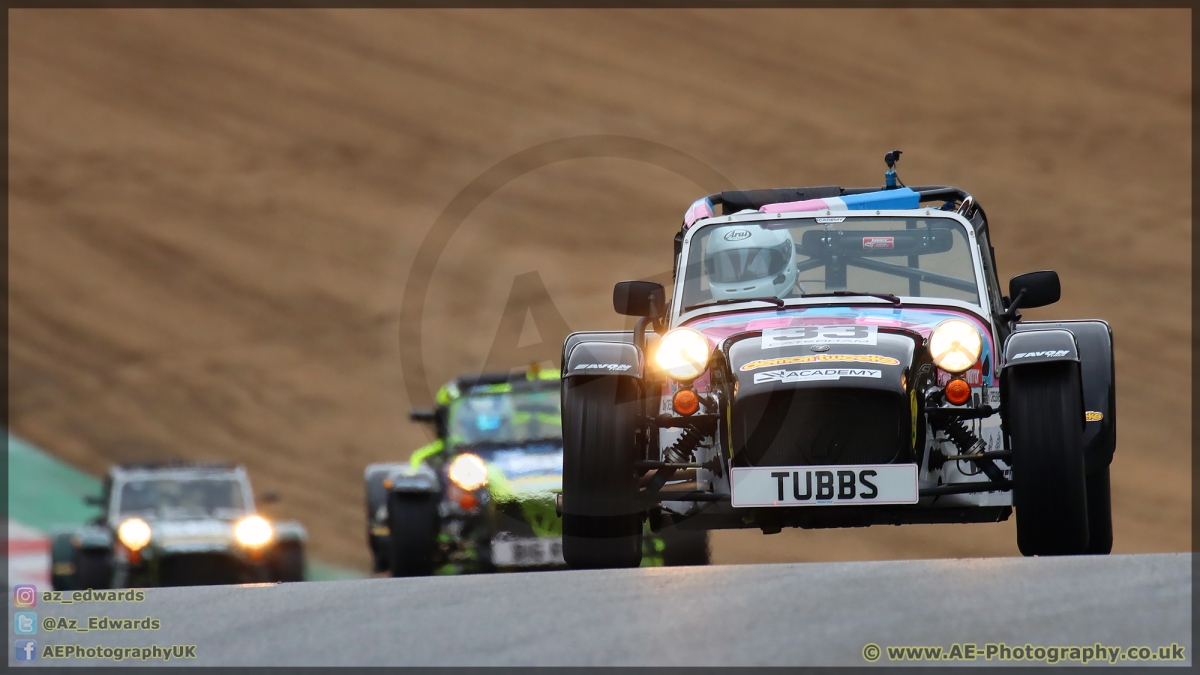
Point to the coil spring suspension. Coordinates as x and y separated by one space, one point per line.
680 452
963 438
969 444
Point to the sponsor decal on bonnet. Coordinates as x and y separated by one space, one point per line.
822 374
821 358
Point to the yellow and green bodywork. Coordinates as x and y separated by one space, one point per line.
523 480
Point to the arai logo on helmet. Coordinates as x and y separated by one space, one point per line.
737 235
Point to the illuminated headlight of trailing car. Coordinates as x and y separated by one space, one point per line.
683 354
134 533
468 472
252 531
955 345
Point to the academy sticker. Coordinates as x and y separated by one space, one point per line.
821 358
823 374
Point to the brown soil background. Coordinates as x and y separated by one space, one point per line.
212 214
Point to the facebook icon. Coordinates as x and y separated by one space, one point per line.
26 650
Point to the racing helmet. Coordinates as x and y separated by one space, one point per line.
750 261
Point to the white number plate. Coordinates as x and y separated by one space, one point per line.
527 552
820 335
825 485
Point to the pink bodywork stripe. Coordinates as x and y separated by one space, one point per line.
699 209
834 203
763 324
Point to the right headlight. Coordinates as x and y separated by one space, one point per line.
468 472
134 533
683 354
955 345
253 531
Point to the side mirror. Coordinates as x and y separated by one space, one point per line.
427 415
1034 289
270 498
93 500
640 298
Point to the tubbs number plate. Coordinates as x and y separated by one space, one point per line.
825 485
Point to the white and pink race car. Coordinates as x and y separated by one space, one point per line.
834 357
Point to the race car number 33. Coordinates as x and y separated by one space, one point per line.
824 485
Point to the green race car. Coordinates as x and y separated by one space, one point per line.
483 496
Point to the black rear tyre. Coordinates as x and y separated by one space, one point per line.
413 525
1099 502
379 554
1049 487
685 547
602 520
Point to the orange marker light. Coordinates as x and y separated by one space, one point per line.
958 391
686 402
468 501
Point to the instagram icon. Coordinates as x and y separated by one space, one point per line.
25 595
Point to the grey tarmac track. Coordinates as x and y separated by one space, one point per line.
784 614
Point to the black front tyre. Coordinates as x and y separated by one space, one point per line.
413 524
1099 502
92 569
62 562
287 562
602 520
1049 484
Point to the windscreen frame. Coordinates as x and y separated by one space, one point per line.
680 313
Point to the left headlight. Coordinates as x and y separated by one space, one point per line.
955 345
683 354
252 531
134 533
468 472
